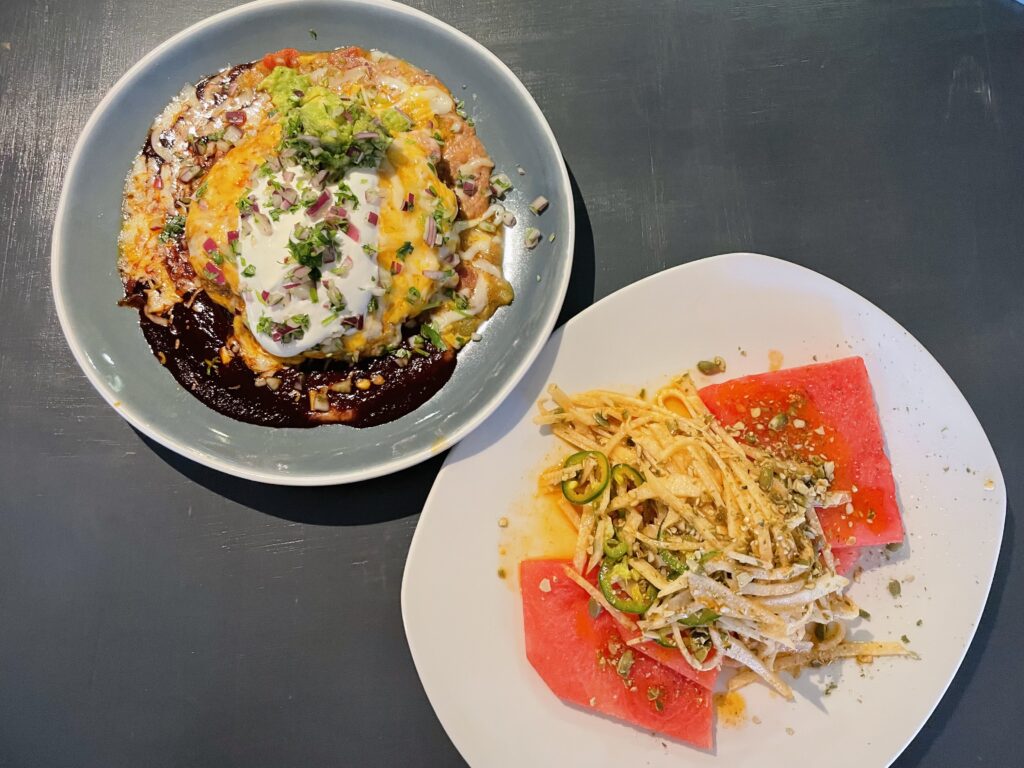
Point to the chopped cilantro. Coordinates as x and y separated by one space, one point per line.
404 251
174 228
307 245
433 336
346 195
292 330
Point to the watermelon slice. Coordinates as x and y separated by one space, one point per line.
581 660
846 560
673 659
830 411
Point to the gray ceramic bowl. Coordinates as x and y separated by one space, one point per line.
106 339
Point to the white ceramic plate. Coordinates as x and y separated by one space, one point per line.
464 624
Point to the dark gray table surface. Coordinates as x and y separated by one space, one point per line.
155 613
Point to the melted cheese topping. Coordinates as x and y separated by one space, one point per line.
396 263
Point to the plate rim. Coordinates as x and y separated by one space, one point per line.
138 419
750 257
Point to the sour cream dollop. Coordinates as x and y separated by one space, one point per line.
286 311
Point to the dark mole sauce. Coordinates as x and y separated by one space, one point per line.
231 388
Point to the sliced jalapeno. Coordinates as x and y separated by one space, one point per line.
700 618
671 560
586 492
615 549
696 641
627 476
624 588
664 637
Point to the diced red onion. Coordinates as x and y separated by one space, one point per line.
396 267
469 187
433 274
319 205
300 272
354 153
367 135
289 286
318 180
313 141
158 182
372 218
263 225
189 173
430 231
235 117
352 231
213 269
232 235
289 196
287 177
210 245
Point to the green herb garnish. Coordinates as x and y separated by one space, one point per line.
173 229
433 336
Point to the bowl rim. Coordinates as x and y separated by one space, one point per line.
139 420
